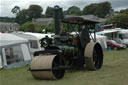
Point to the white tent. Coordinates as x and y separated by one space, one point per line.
14 51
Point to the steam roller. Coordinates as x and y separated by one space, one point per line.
66 51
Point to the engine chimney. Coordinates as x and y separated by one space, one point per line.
57 17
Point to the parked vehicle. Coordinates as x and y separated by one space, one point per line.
114 45
117 34
123 37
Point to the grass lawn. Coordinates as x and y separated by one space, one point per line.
113 72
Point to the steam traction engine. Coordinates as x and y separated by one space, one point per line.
67 51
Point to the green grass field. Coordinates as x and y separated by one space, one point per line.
113 72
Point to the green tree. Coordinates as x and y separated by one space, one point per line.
103 9
65 13
90 9
74 10
15 10
28 27
98 9
31 27
34 11
22 16
7 19
50 27
121 20
49 12
124 11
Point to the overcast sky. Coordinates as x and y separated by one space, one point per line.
7 5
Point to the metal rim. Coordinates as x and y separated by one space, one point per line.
58 73
98 56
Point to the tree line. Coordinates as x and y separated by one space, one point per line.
120 19
24 16
35 11
7 19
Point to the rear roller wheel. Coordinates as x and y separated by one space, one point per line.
45 67
93 56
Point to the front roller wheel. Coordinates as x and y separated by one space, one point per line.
93 56
45 67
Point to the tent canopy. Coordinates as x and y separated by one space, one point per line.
107 31
14 51
8 39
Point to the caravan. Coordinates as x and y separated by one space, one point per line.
34 43
34 40
123 37
14 51
117 34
